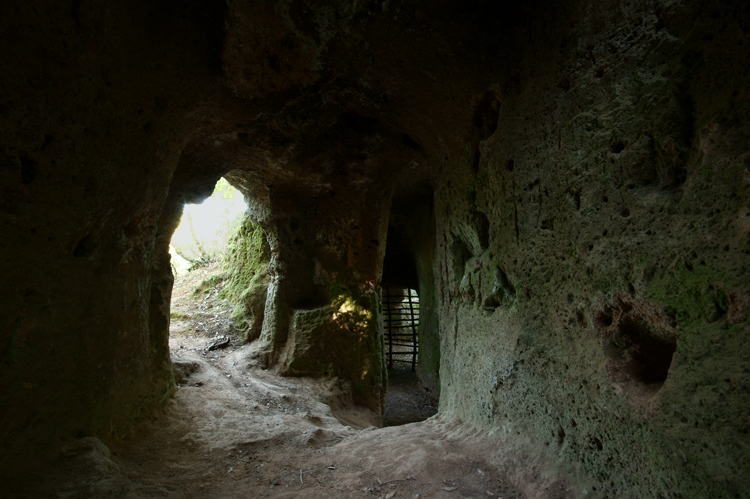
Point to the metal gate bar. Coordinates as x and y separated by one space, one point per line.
400 318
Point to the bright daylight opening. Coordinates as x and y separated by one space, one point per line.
201 317
205 229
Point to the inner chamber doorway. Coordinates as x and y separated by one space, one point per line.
406 401
409 309
401 323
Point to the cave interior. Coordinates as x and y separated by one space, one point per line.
565 184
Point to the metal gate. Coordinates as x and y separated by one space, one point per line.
401 320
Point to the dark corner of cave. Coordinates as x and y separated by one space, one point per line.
384 248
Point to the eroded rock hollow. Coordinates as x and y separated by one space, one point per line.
566 184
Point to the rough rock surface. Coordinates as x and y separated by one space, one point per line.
571 181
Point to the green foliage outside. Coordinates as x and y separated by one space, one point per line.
224 190
205 230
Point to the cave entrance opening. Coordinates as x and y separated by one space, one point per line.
205 228
200 315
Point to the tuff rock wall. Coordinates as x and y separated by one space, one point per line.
593 252
93 120
577 174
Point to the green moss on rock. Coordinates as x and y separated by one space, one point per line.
342 339
247 281
694 294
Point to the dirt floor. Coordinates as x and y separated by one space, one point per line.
236 430
405 402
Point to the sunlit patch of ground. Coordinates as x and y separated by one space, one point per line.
198 315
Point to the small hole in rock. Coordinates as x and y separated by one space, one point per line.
616 147
603 320
638 348
596 443
84 248
29 169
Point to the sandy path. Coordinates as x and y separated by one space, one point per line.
236 430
